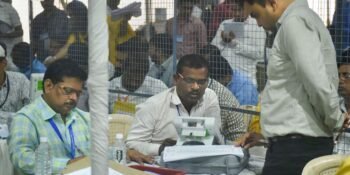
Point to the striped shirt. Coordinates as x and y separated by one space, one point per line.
32 122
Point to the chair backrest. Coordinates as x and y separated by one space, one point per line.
325 165
118 123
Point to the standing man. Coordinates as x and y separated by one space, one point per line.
154 127
52 115
191 33
49 24
299 106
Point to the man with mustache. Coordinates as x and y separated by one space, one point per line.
343 139
154 129
53 115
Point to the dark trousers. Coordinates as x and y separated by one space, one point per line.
287 155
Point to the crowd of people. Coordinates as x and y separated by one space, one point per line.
211 72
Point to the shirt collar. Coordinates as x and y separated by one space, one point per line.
175 99
294 5
342 105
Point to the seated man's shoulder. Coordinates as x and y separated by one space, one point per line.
158 84
17 75
158 99
209 94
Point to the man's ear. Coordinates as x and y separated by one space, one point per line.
175 78
272 3
48 85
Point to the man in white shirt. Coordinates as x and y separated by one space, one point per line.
154 128
133 86
242 49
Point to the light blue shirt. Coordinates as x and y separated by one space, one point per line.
243 88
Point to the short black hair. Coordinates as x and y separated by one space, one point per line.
195 61
3 45
219 67
135 44
64 68
209 49
261 2
162 42
21 55
136 63
345 57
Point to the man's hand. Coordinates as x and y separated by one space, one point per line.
227 37
250 139
138 157
166 142
346 123
75 160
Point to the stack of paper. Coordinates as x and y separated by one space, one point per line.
174 153
133 9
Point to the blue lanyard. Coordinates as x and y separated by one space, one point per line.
72 145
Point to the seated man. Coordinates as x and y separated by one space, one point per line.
52 115
237 82
153 128
21 58
133 80
343 139
160 51
14 88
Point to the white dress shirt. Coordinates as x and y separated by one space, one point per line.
155 119
150 86
301 92
243 52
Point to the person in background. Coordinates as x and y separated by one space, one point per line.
160 51
14 88
77 28
49 24
119 31
52 115
299 105
134 80
21 58
237 82
135 45
191 32
154 129
221 12
11 31
209 50
241 41
342 145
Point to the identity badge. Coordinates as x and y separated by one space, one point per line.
179 38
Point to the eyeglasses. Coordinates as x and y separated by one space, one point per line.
191 81
344 75
69 91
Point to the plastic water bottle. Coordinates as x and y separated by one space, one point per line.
119 149
43 158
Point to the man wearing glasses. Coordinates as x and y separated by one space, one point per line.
52 115
153 128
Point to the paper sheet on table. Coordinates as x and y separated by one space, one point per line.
133 9
174 153
87 171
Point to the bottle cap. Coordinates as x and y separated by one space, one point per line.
43 139
119 136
